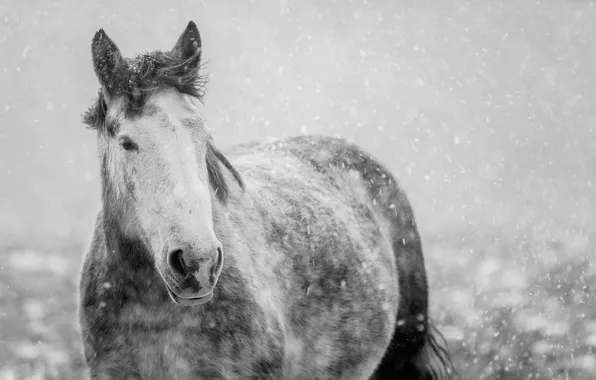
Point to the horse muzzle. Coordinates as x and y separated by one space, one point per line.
193 276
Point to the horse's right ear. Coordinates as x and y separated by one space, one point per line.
188 46
107 60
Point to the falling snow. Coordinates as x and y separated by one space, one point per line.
483 110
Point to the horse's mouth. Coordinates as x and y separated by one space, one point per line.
195 301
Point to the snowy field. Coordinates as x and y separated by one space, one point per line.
484 110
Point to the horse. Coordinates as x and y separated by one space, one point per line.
292 258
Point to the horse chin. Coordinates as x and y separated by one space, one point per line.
196 301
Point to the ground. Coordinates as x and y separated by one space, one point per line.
511 307
515 307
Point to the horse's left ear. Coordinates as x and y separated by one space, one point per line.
188 46
107 60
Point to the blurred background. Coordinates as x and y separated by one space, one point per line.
484 110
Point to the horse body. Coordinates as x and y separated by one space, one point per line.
298 259
308 289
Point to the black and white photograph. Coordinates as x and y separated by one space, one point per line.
298 190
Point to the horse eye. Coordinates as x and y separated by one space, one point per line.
128 144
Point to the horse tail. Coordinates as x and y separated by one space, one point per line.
431 362
423 355
415 352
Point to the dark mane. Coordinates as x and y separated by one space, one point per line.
143 75
218 182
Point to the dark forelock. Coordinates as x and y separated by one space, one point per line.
142 76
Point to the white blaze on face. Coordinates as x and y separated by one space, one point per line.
167 173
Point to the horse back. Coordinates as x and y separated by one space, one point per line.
343 186
390 201
344 164
323 253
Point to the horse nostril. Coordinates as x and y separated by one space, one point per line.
176 261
